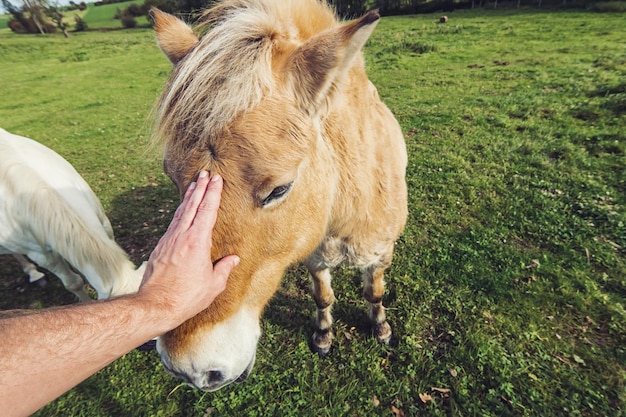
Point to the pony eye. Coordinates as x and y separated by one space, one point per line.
276 194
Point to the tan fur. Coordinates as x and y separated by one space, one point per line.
175 37
276 92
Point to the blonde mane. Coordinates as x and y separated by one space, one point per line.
229 70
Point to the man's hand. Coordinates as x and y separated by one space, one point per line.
180 277
47 352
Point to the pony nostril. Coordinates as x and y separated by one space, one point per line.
214 377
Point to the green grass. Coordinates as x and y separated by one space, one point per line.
508 285
102 16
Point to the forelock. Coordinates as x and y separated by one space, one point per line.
225 75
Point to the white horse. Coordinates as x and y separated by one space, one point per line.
29 268
50 214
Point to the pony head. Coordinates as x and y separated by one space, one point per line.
248 100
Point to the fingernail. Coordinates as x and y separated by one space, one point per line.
236 261
215 177
203 174
192 185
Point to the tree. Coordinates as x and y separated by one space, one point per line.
18 14
33 16
36 8
349 8
55 14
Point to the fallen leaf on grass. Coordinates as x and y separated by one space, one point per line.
396 411
533 264
426 398
375 401
445 392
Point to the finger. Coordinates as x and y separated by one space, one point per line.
207 210
195 199
181 208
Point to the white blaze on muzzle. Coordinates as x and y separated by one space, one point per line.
218 356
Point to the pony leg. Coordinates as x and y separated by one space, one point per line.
373 291
59 267
29 268
324 297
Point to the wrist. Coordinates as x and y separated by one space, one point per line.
155 314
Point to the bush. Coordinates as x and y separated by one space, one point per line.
167 6
134 10
129 22
606 6
16 26
81 25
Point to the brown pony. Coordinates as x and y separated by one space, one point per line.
274 97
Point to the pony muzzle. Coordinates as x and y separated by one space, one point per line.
222 354
211 380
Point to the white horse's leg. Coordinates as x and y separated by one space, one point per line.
29 268
59 267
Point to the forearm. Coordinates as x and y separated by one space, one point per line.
46 353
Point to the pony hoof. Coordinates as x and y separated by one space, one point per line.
41 282
35 276
321 352
382 331
322 341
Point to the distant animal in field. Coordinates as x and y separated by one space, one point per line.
274 97
49 214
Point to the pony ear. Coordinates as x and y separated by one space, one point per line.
175 38
314 69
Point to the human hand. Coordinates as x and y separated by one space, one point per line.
180 277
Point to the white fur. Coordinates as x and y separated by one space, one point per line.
28 268
228 347
50 214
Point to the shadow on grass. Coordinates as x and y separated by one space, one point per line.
292 309
140 217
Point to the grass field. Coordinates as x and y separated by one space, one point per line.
102 16
507 290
